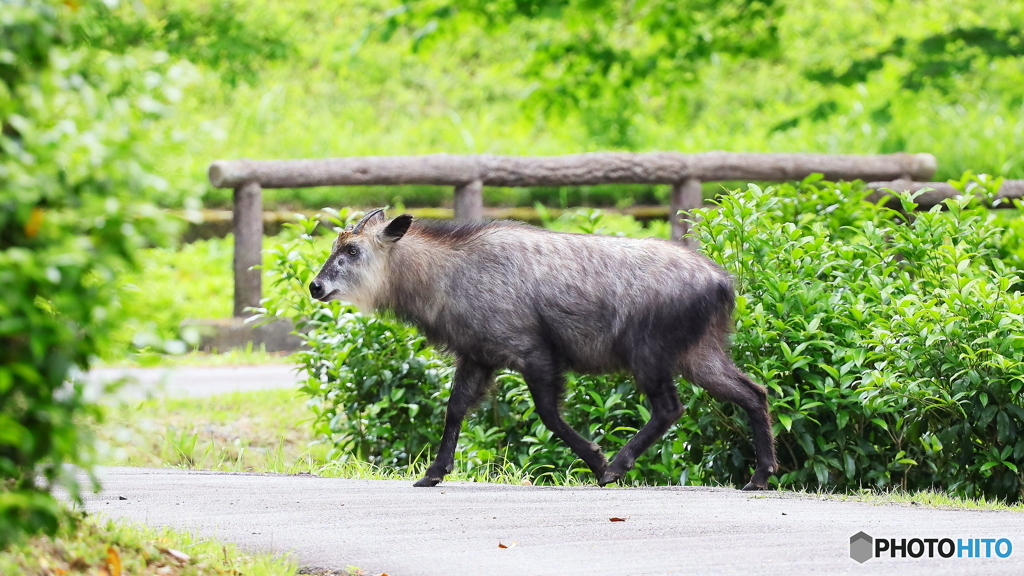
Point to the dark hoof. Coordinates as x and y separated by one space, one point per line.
751 486
427 482
609 478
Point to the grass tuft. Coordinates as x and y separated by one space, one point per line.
927 498
266 431
92 545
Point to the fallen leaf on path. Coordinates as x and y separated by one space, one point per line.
176 554
113 561
617 519
512 545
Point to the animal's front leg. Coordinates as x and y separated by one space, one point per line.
470 385
546 382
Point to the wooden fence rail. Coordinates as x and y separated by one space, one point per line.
938 191
469 174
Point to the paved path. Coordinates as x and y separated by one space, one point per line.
455 529
194 381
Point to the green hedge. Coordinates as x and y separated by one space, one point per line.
890 344
75 181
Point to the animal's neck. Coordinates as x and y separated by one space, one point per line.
416 273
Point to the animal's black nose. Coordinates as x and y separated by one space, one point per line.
316 289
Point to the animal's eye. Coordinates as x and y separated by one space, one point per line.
352 251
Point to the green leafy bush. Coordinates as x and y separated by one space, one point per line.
1012 249
890 345
75 180
380 381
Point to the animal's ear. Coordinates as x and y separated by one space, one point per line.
397 227
372 217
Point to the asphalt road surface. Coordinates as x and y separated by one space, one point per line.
459 528
192 381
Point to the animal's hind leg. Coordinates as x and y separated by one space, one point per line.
470 384
657 383
711 368
546 382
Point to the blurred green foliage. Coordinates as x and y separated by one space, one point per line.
557 77
608 59
77 185
172 285
208 33
603 58
311 78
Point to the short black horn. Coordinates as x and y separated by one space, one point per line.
359 227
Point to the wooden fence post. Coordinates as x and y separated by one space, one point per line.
469 201
686 195
248 229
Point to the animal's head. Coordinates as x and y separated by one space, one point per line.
355 271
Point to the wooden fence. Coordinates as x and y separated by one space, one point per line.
469 174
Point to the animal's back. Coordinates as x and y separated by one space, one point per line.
511 288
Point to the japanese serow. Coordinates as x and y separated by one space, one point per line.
504 295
